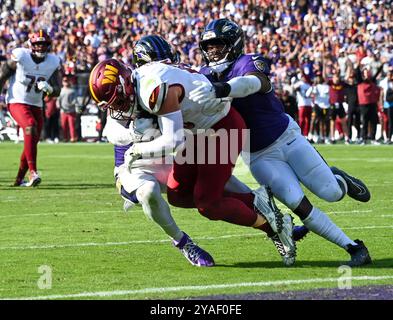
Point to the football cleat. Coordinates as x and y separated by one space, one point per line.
299 232
359 254
265 206
19 183
284 242
356 188
193 253
34 181
128 205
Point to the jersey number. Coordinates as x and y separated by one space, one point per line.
33 82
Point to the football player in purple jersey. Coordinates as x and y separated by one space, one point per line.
280 157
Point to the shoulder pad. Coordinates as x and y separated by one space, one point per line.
260 63
17 54
252 63
153 93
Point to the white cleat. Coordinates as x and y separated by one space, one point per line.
284 242
265 205
128 205
34 181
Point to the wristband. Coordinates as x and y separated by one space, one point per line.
222 89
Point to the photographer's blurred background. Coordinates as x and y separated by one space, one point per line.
326 56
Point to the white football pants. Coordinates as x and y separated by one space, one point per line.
291 159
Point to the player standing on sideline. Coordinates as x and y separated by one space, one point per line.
280 156
33 73
162 89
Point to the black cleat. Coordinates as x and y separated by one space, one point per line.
356 188
359 254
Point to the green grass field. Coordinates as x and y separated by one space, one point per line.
74 223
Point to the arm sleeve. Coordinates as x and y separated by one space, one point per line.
171 125
244 86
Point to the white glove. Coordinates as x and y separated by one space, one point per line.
130 156
143 130
45 87
214 106
203 93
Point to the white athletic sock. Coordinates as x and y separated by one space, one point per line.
319 223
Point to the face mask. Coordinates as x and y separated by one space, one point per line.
220 66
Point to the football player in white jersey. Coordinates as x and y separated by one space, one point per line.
32 73
162 89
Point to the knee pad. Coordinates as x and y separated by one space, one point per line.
31 130
291 197
330 192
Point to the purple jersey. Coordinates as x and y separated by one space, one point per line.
263 113
119 154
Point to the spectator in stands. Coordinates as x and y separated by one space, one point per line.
336 99
386 85
304 103
368 95
296 35
351 98
320 93
290 105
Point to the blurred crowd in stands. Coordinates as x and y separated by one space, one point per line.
331 60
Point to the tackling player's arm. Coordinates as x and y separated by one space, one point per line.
7 69
243 86
253 81
170 120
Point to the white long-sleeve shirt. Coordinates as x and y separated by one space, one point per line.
301 94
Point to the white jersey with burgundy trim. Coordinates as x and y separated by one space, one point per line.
23 84
154 79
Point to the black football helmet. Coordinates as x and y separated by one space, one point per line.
226 41
153 48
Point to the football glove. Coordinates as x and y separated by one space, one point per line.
131 155
143 130
205 94
45 87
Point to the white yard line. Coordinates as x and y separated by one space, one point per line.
161 290
31 215
368 227
124 243
120 210
61 213
350 211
